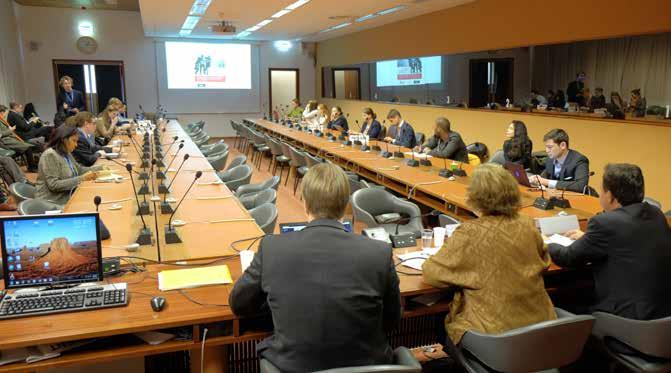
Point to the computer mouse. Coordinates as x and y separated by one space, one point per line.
157 304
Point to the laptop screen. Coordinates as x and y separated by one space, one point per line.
41 250
295 227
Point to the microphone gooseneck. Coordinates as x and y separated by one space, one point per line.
129 167
198 175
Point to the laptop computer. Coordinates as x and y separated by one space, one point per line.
295 227
518 172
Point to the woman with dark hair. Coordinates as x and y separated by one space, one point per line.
517 149
58 171
371 127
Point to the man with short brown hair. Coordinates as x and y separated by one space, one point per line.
87 151
332 294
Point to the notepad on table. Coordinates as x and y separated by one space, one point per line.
194 277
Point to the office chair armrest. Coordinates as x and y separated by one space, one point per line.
248 189
407 207
268 367
562 313
403 356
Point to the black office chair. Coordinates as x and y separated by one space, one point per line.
649 342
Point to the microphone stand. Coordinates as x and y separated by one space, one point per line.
386 153
400 240
162 189
542 203
171 235
144 238
445 172
460 172
398 153
412 162
165 206
104 232
563 203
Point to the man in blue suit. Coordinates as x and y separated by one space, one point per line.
405 134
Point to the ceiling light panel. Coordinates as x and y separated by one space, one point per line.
391 10
281 13
199 7
190 22
297 4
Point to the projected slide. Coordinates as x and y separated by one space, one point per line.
409 71
208 66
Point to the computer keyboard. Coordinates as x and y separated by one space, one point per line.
40 302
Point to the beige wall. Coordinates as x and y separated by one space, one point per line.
495 24
601 141
498 24
11 83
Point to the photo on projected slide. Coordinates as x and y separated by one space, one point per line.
208 66
409 71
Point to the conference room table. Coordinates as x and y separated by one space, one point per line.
214 220
421 184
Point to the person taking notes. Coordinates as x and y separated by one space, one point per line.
445 143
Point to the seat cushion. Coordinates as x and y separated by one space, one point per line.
282 159
302 170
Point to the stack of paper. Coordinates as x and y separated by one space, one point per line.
194 277
559 239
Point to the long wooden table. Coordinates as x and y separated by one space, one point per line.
422 184
202 238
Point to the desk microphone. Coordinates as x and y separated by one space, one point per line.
162 189
407 239
541 202
121 164
563 203
104 232
144 238
358 142
386 153
145 163
376 147
412 162
460 171
170 232
445 172
398 153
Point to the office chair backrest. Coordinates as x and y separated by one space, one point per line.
649 337
272 183
311 160
218 161
36 207
542 346
237 161
444 220
373 201
265 196
653 202
22 191
419 137
265 216
218 147
297 157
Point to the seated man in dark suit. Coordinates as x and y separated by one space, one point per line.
69 101
332 294
629 247
338 122
565 169
27 130
404 135
87 151
445 143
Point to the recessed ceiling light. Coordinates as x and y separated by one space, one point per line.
391 10
283 45
336 27
199 7
190 22
281 13
297 4
366 17
263 23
